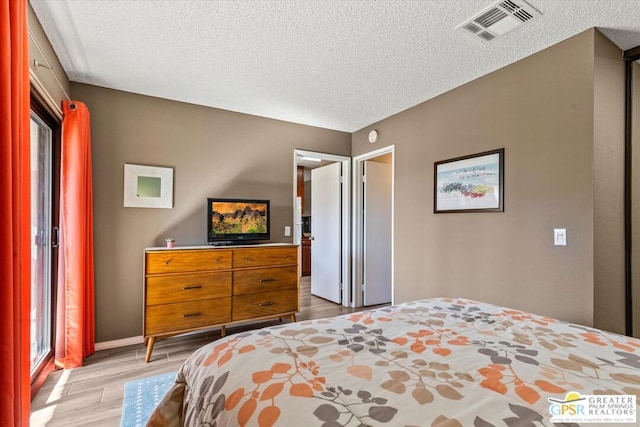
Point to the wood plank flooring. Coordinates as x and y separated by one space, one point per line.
92 395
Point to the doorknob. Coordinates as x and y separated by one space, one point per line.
312 238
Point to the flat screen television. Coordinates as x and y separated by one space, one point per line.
234 221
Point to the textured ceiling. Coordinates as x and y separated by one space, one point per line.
334 64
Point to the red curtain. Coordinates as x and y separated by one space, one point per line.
75 316
15 215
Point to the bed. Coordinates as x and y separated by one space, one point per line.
435 362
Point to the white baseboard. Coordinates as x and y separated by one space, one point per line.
107 345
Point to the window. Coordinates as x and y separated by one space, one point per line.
45 132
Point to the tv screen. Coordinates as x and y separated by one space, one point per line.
237 220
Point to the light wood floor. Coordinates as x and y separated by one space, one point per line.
92 395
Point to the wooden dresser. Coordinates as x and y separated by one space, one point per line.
191 288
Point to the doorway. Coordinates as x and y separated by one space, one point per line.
45 193
329 231
373 202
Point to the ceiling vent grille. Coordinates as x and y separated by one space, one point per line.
499 19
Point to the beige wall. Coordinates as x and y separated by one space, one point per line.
43 79
541 110
214 153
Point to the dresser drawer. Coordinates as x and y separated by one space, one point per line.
181 316
187 287
264 304
264 257
264 280
183 260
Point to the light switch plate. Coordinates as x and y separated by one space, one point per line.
287 231
560 236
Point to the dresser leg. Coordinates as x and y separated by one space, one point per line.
223 330
293 317
150 343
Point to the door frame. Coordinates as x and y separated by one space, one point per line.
358 223
345 262
40 107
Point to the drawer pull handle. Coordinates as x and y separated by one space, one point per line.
246 258
168 261
192 314
285 256
217 259
188 288
266 304
267 280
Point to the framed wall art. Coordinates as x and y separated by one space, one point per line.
148 187
473 183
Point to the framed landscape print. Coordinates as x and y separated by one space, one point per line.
473 183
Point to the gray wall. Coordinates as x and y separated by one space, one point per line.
543 110
214 153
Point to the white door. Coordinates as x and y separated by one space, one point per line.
326 232
377 233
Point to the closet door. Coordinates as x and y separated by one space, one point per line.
377 233
634 127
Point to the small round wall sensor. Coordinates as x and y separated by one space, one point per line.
373 136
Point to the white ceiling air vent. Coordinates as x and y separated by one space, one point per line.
499 19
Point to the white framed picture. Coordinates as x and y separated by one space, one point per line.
148 187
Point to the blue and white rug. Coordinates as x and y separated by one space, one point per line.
141 396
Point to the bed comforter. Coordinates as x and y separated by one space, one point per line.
436 362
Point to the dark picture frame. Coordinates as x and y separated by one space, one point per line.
473 183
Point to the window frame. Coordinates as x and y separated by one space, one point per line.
39 107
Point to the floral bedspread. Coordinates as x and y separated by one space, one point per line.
436 362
